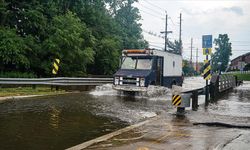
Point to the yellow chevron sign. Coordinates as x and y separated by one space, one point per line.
55 66
207 71
176 100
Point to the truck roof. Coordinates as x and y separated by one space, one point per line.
146 52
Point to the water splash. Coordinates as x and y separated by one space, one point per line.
152 92
105 89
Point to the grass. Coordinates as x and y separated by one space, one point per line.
21 91
244 77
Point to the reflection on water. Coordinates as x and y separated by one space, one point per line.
54 122
54 117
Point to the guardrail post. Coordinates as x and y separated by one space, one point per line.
195 100
33 86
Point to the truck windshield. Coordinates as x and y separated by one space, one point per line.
136 63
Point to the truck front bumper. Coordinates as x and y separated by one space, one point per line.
130 88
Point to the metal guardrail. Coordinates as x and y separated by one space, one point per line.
61 81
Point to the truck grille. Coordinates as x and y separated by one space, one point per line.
129 81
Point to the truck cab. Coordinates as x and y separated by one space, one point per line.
141 68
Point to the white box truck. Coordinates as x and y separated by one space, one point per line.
143 67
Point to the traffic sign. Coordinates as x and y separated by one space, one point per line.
55 66
176 100
207 41
207 71
207 51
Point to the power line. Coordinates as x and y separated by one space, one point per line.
157 12
154 5
157 17
173 21
153 34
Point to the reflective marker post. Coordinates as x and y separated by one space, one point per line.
207 50
206 94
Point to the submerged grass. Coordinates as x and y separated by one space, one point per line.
21 91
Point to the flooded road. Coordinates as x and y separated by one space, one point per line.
62 121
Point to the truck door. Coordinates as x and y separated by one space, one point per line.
159 71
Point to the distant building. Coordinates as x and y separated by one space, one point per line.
240 62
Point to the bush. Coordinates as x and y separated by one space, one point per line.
17 75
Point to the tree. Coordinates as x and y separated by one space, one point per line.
187 68
12 51
175 46
71 42
87 35
223 51
127 17
107 56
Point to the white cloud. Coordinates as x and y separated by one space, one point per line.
201 17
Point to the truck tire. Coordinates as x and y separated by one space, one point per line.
152 83
173 83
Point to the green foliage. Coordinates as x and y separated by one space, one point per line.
247 67
175 46
107 56
84 35
187 68
223 51
14 74
72 43
12 51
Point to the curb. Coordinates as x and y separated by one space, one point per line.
110 135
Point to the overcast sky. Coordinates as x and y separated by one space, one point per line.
200 17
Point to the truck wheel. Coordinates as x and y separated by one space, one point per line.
152 83
173 83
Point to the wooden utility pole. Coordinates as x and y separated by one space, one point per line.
191 57
197 60
180 35
166 33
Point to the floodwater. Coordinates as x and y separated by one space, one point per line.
236 103
53 122
62 121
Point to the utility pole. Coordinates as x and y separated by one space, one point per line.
191 58
197 60
166 33
180 35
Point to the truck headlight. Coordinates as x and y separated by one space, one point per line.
137 81
116 80
142 82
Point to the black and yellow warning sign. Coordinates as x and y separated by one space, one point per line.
56 66
207 51
176 100
207 71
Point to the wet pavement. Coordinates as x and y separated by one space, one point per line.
167 131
